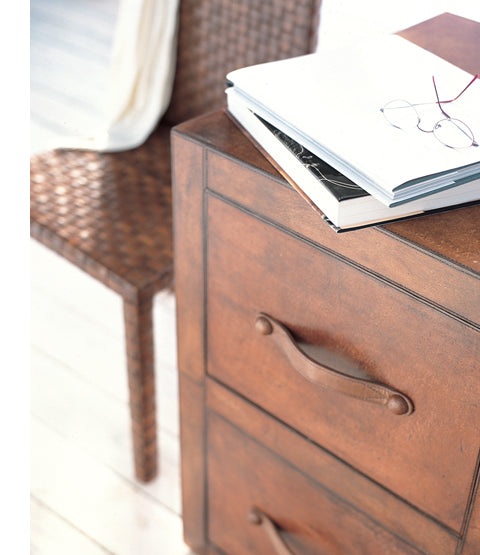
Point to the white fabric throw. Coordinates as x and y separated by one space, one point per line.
141 75
143 64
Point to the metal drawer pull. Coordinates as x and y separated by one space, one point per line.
324 376
259 518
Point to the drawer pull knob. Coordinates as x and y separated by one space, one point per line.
324 376
259 518
263 325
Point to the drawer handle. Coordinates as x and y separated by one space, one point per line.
323 376
259 518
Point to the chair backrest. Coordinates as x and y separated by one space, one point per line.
217 36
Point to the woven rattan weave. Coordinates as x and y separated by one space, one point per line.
110 214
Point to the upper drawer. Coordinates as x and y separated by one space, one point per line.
431 252
429 457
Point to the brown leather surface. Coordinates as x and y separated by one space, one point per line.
369 498
402 307
349 380
110 214
451 37
359 320
237 170
243 474
453 235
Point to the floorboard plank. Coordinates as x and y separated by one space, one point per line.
86 349
92 348
66 69
66 284
97 501
76 119
52 535
100 426
70 51
80 42
88 21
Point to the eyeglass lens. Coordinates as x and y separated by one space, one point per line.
401 114
453 133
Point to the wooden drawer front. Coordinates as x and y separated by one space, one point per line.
429 457
417 268
242 474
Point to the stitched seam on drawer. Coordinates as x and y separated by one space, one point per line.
428 252
236 161
338 459
380 228
280 180
334 494
205 244
345 260
471 502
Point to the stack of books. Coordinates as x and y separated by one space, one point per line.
360 133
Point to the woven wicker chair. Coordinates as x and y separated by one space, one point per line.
110 214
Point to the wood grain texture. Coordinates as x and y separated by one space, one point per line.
78 396
80 411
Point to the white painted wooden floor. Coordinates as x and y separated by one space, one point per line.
84 499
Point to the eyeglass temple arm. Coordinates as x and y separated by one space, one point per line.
439 102
476 76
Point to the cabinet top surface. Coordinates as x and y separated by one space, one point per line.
452 235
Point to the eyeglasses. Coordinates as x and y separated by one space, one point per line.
451 132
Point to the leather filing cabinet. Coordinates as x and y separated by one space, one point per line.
281 454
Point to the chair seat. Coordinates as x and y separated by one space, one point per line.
108 213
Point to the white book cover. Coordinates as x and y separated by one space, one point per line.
331 104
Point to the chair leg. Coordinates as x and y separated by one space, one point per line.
141 383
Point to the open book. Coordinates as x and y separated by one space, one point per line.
344 204
331 104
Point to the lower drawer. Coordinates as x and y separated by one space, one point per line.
244 476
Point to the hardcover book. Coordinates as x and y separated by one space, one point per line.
344 107
343 204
